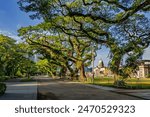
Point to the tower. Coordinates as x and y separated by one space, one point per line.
100 64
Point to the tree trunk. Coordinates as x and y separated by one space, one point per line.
82 73
52 74
63 72
74 75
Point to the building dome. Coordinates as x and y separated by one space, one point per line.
100 63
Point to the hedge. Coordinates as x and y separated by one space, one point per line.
2 88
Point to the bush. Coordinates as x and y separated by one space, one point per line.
2 88
120 83
27 80
19 74
4 78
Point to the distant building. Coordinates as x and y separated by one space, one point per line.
100 64
144 69
100 70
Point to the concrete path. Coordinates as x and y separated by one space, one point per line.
64 90
20 91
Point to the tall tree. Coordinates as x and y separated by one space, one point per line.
61 49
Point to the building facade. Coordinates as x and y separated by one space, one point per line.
144 69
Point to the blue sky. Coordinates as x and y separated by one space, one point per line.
12 18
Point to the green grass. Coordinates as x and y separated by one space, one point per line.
132 83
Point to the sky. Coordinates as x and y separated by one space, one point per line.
12 18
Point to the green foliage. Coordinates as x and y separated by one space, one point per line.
45 67
6 52
14 58
59 50
70 26
120 83
2 88
131 39
4 78
19 74
27 80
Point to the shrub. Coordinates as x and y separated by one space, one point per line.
27 80
2 88
120 83
4 78
19 74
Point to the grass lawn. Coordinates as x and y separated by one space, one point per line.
132 83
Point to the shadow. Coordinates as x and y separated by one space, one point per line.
16 96
46 96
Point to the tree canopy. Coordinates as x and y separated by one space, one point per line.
120 25
14 60
90 18
65 51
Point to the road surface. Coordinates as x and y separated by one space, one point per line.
64 90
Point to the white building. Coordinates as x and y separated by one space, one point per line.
144 69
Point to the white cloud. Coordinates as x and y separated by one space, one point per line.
10 34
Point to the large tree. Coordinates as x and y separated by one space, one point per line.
68 52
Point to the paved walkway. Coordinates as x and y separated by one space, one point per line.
20 91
